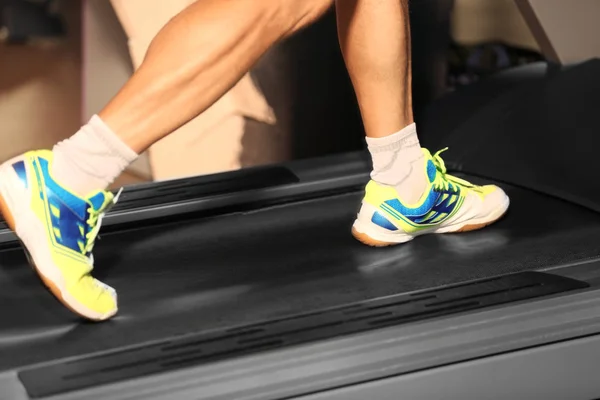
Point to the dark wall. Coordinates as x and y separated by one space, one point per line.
305 80
430 29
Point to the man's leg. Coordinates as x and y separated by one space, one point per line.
196 58
213 141
375 40
55 200
410 193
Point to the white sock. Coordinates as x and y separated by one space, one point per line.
91 159
398 161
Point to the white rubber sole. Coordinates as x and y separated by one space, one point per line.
15 206
372 235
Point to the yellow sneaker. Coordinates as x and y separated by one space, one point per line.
449 204
58 230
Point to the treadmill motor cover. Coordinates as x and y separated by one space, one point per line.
543 135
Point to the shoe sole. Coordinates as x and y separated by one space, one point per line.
71 304
375 239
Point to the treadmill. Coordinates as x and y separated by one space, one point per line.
248 284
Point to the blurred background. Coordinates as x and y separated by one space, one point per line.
62 60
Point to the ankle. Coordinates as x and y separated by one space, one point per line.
300 14
91 159
398 161
411 189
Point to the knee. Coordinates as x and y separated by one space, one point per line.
300 13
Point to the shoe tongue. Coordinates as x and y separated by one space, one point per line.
430 168
431 171
99 200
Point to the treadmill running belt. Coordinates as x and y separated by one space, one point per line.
228 271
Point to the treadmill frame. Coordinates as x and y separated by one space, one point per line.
379 360
376 360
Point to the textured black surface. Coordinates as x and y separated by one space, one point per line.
537 130
231 192
228 271
193 350
161 193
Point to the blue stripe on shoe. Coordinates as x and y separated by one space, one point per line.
68 219
19 168
430 201
382 221
76 204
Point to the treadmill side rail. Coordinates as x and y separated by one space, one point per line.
558 371
384 353
234 191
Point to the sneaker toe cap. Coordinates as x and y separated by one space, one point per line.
95 300
495 200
